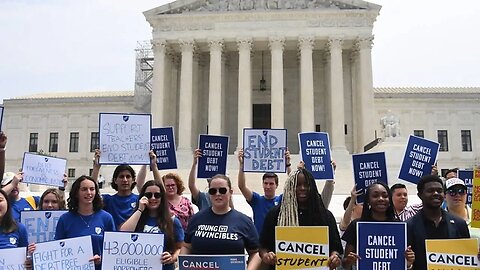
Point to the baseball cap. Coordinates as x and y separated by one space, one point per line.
7 178
453 182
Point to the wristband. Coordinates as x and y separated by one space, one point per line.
141 211
61 188
288 165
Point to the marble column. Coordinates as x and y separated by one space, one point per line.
159 79
244 87
276 45
186 93
307 112
215 87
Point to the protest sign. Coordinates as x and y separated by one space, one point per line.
71 253
305 247
163 144
475 218
214 155
43 170
315 151
125 250
467 177
13 258
199 262
125 138
40 225
452 254
1 117
368 169
264 150
381 245
420 155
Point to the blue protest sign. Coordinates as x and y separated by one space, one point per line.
199 262
40 225
315 151
163 144
43 170
381 245
420 156
1 117
467 177
368 169
264 150
214 155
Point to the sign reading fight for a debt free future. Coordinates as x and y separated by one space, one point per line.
163 144
458 254
214 155
43 170
13 258
264 150
420 156
125 138
302 247
40 225
71 253
368 169
467 177
122 250
199 262
381 245
315 149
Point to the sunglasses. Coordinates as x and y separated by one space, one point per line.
213 191
149 195
453 192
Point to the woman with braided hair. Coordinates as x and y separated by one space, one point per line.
301 206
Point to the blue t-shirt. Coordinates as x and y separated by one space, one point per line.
22 205
17 238
230 233
151 227
260 206
203 201
120 207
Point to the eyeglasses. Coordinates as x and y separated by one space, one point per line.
170 186
453 192
149 195
213 191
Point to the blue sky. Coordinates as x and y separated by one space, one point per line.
71 45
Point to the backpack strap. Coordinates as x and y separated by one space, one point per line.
32 202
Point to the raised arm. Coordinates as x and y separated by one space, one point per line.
3 144
96 165
328 188
288 162
242 185
347 216
156 172
192 176
14 183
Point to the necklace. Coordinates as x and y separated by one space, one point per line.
86 223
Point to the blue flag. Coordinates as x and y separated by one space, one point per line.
315 150
214 155
163 144
368 169
420 156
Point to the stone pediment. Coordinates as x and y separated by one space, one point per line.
206 6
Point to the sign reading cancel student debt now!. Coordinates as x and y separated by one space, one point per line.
264 150
200 262
369 168
125 138
214 155
458 254
163 143
303 247
420 156
43 170
315 150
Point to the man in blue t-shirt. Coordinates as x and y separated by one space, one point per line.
10 184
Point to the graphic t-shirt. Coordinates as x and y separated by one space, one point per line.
120 207
17 238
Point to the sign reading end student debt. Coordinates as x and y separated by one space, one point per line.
125 138
381 245
163 144
43 170
264 150
200 262
214 155
368 169
315 149
40 225
420 156
452 254
302 247
122 250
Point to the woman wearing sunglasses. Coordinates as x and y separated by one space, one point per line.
220 229
153 216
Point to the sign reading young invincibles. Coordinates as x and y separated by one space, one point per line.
420 156
315 149
40 225
305 247
214 155
264 150
163 143
13 258
452 254
368 169
125 138
43 170
467 177
199 262
381 245
71 253
122 250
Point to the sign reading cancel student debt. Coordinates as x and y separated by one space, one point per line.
381 245
264 150
125 138
368 169
420 156
71 253
163 144
40 225
13 258
451 254
467 177
214 155
302 247
43 170
315 149
199 262
125 250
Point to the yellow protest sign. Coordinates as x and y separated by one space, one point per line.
302 247
448 254
475 218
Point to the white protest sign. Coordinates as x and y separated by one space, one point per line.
264 150
40 225
43 170
122 250
71 253
13 258
125 138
